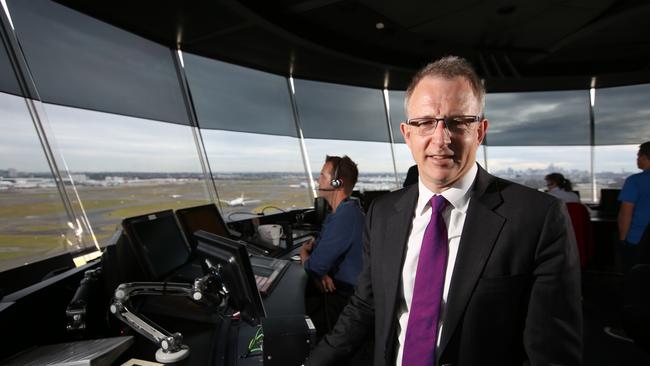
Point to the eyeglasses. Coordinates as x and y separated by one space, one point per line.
455 125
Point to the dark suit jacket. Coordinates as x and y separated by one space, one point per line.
515 290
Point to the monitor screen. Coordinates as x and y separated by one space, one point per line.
236 271
609 199
158 242
205 217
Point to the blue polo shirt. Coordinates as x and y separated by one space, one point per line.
636 190
338 249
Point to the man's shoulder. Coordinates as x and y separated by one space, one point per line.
639 177
349 208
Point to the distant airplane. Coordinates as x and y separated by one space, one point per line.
5 184
239 201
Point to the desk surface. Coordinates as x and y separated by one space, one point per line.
222 342
603 216
288 298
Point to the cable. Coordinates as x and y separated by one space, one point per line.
255 344
274 207
241 213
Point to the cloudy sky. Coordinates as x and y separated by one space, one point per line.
93 141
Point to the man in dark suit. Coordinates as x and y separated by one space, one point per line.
508 289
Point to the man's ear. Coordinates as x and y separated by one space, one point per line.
482 130
406 133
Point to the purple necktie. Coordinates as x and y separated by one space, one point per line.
422 328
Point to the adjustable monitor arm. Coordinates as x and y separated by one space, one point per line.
208 289
76 312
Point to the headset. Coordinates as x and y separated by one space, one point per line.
336 182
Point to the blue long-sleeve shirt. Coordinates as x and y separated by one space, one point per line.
337 250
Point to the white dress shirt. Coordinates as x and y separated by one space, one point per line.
454 214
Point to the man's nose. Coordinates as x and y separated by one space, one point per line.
441 134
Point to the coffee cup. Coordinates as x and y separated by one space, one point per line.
270 234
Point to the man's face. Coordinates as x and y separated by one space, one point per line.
325 181
443 158
642 161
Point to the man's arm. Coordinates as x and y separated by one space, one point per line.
624 219
553 330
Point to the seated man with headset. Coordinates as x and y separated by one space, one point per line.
334 260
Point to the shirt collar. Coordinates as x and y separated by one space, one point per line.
457 195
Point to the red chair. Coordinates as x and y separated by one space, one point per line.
583 229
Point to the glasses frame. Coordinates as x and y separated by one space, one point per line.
448 120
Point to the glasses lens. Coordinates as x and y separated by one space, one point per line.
459 124
427 126
455 125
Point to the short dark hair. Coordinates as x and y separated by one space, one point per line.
449 67
345 169
644 149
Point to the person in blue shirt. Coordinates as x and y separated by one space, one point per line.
334 260
634 211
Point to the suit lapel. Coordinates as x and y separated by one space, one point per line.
480 231
397 228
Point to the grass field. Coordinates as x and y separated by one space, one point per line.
33 223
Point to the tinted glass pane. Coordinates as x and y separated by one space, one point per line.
373 160
397 113
8 83
229 97
538 118
126 166
403 160
267 171
79 61
622 115
330 111
613 164
32 218
528 165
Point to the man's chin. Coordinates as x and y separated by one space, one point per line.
441 182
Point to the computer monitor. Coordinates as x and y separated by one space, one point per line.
205 217
119 262
158 242
237 273
609 199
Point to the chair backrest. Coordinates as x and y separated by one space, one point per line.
583 230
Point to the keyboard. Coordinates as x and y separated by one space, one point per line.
268 272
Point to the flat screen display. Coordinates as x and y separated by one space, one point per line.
158 242
205 217
237 273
